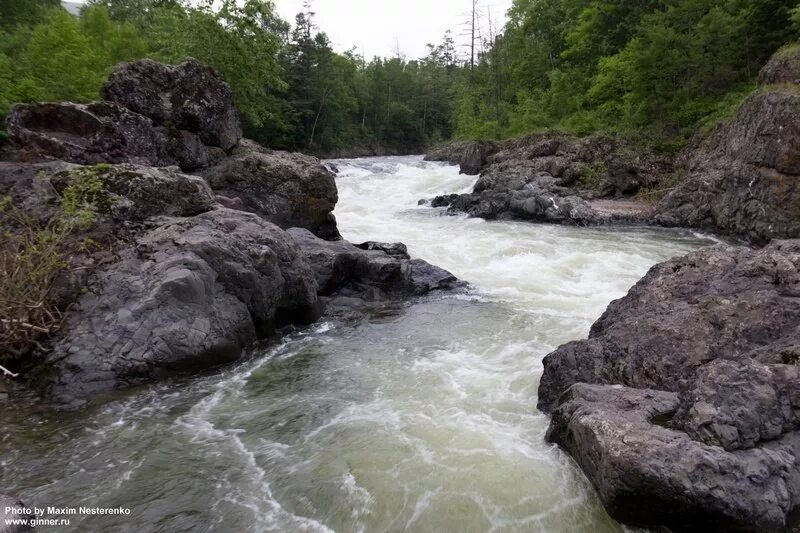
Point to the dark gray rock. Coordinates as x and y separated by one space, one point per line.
396 249
85 134
783 67
721 302
650 475
691 411
554 178
189 96
9 502
377 273
739 404
290 190
744 180
476 156
191 294
450 152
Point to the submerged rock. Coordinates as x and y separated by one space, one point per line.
690 416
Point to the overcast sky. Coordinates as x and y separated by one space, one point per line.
377 27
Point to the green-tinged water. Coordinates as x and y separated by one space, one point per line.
420 418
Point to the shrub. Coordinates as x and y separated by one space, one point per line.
34 253
593 174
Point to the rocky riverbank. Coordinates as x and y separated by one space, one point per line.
555 178
741 181
183 242
682 407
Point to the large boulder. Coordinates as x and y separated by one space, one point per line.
189 96
719 302
190 294
744 179
476 156
690 418
103 132
288 189
648 473
85 134
370 271
154 114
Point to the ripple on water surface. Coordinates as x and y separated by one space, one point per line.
419 419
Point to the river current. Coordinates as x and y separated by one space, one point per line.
417 418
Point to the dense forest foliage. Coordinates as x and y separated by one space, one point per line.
292 90
657 70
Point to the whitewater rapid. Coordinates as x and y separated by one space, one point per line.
417 418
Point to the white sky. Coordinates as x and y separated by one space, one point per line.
376 27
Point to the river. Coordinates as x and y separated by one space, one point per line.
418 418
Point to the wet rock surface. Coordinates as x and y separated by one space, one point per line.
681 406
370 272
184 270
190 294
553 178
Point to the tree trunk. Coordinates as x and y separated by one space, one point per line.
316 118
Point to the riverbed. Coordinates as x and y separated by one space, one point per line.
418 417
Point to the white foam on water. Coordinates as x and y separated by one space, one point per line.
421 419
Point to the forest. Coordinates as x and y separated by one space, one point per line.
657 71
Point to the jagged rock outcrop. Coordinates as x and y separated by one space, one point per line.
691 415
86 134
189 294
176 272
554 178
649 473
258 179
783 67
369 271
449 152
189 97
476 156
744 180
153 114
542 198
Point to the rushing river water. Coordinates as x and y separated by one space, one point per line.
421 418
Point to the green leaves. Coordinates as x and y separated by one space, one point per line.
625 66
